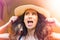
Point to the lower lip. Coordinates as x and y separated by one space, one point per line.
30 24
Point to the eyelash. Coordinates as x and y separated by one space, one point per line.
26 13
33 14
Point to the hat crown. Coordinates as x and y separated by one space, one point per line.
21 9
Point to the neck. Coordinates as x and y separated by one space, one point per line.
31 32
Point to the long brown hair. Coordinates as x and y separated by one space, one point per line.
41 29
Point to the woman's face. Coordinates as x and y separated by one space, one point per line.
30 18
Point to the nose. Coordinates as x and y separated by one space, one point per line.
30 16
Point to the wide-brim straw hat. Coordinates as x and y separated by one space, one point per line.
21 9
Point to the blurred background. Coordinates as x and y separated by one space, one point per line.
7 8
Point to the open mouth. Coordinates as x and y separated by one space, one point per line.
30 21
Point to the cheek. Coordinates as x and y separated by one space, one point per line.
25 19
35 20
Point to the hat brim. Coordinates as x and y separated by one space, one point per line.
21 9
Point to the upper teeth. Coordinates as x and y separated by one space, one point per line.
30 21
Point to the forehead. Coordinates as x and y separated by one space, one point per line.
30 10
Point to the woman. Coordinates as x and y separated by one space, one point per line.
33 21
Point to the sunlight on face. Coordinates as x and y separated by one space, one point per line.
30 18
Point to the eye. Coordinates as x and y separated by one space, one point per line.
34 13
26 13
